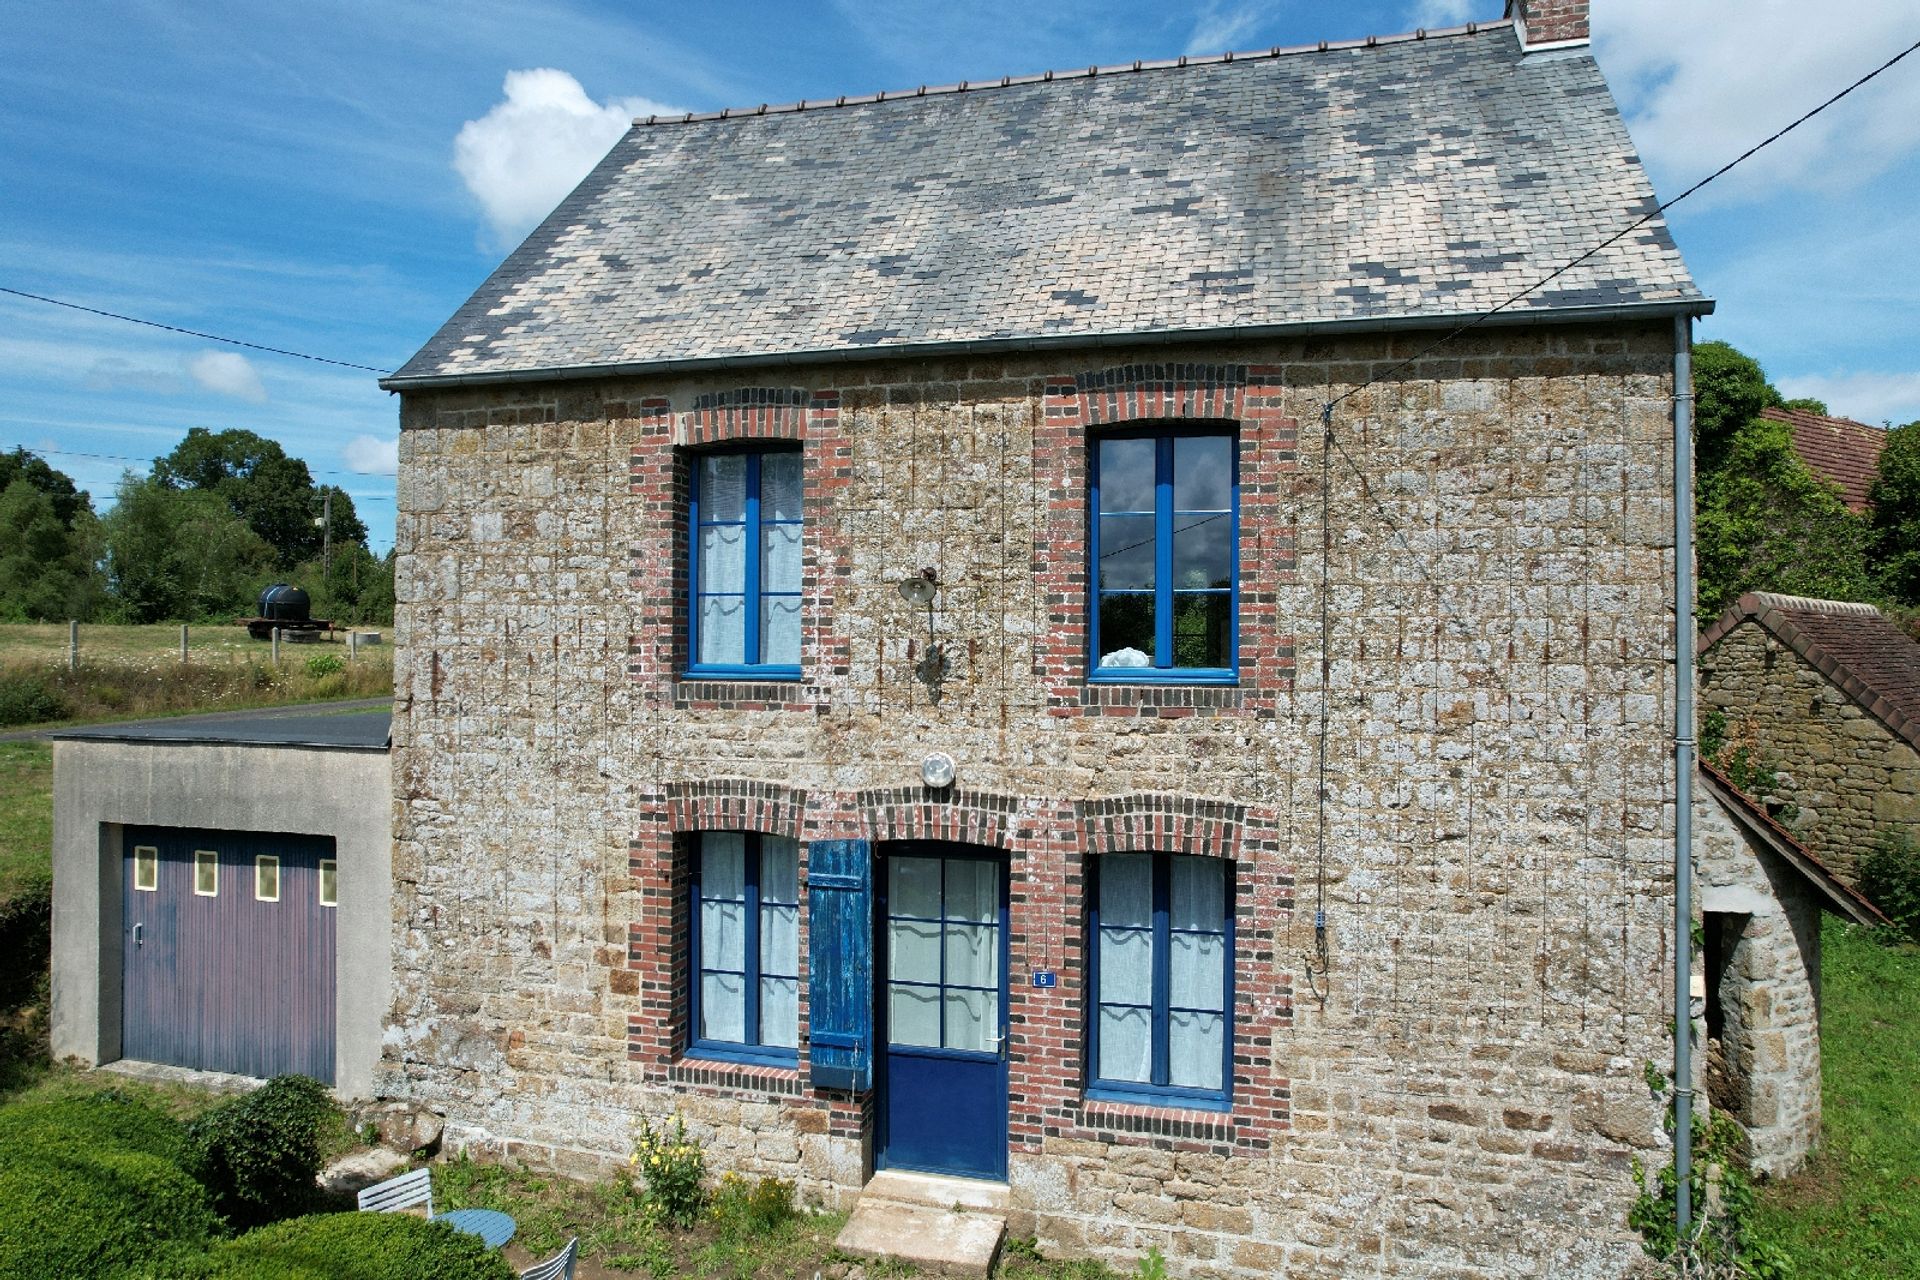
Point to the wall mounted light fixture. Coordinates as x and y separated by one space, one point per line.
933 667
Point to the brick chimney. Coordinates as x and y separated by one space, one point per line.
1549 22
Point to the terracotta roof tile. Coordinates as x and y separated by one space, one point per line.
1839 450
1751 814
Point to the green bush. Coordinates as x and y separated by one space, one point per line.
69 1208
26 699
348 1246
105 1121
674 1169
324 664
1890 876
756 1206
259 1154
26 920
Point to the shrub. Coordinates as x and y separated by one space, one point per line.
345 1246
324 664
26 699
755 1205
674 1168
69 1207
258 1155
26 920
105 1121
1890 876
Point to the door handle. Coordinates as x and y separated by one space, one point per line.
137 930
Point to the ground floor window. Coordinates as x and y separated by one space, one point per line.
746 946
1162 977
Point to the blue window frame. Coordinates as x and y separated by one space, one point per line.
746 947
1162 980
1165 546
744 575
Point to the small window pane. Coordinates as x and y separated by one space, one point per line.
1199 893
1197 975
1195 1050
723 1007
1126 631
1127 475
1126 1045
266 878
1202 629
723 865
146 868
913 887
779 940
1202 552
723 558
780 631
1126 889
779 870
780 1012
723 487
723 630
913 951
973 891
973 955
913 1015
206 873
1126 966
973 1020
1202 473
1126 552
723 935
329 882
779 557
780 486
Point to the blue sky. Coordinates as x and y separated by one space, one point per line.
336 177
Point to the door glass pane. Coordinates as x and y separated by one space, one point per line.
1202 552
723 935
779 869
1202 473
329 882
779 940
913 1015
1126 1044
1195 1050
780 630
1198 971
973 1020
780 557
1126 552
913 887
266 878
723 486
723 630
206 873
780 1012
723 558
1126 631
1126 475
723 1007
1126 965
146 868
780 485
1199 893
973 955
1202 629
1126 889
913 950
973 891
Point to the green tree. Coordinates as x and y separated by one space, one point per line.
47 565
179 554
1896 515
68 501
272 492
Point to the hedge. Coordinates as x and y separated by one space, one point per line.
259 1154
95 1212
348 1246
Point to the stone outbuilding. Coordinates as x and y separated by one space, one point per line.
1840 451
895 670
1828 695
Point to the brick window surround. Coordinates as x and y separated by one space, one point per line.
1077 407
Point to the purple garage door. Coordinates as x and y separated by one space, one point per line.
228 954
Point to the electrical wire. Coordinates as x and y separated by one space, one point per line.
191 333
120 457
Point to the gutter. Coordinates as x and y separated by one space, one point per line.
1683 765
1679 311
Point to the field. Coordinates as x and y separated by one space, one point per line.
46 643
26 814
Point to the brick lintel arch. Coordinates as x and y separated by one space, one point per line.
921 813
736 804
1150 823
753 413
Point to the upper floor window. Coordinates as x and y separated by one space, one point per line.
1162 979
745 575
746 946
1165 550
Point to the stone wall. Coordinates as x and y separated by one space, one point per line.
1764 1066
1848 774
1493 857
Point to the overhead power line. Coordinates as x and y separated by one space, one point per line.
121 457
191 333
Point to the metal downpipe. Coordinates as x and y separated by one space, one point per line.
1683 766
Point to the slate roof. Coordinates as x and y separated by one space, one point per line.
1838 450
1855 646
1751 815
1366 185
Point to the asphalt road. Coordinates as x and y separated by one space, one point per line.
181 726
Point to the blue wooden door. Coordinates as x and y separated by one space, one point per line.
228 951
943 1010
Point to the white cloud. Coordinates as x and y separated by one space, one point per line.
1866 397
117 373
1223 28
227 373
372 456
1429 14
522 157
1701 82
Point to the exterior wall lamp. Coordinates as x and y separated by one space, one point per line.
933 667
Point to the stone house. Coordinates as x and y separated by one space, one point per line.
1828 694
895 671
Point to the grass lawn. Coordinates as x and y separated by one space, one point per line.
26 814
38 642
1854 1214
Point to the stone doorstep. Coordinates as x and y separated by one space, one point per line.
949 1226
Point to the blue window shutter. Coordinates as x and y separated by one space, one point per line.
840 963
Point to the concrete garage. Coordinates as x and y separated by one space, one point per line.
222 894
